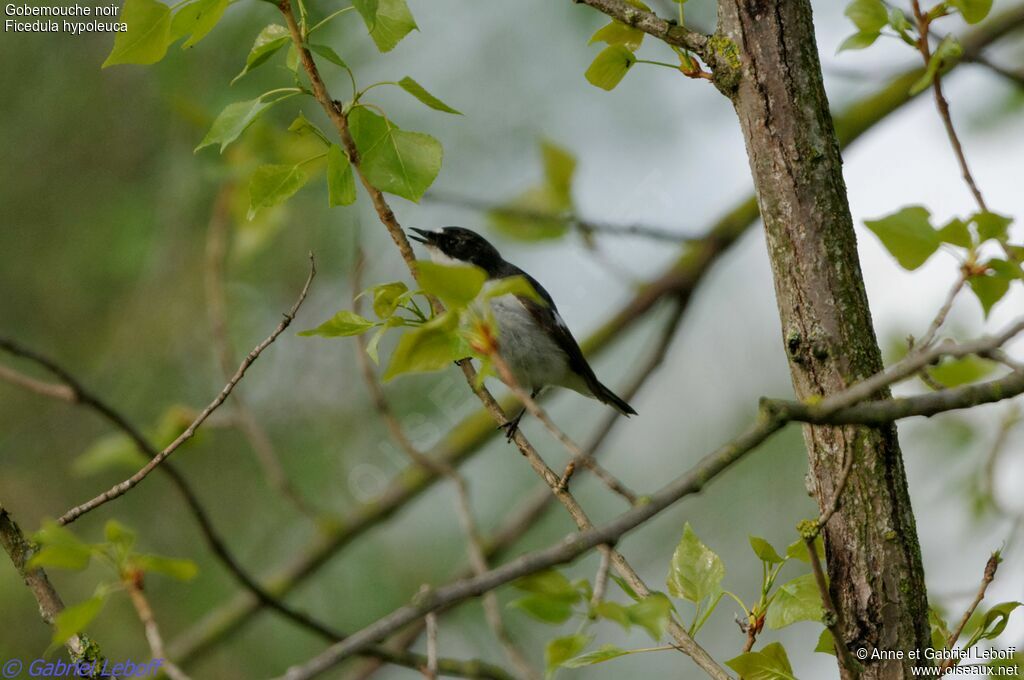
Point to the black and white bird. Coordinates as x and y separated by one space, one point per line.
533 340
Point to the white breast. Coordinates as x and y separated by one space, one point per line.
534 359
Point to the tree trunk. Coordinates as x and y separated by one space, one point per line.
874 561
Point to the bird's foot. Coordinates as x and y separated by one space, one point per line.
511 427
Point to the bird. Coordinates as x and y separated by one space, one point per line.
533 340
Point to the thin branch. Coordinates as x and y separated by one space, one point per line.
601 579
652 24
216 306
18 548
431 623
831 617
990 573
60 392
120 489
152 630
943 312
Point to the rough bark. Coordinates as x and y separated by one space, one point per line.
874 560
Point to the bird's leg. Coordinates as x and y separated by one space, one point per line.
512 426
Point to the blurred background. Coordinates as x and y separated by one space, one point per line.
105 258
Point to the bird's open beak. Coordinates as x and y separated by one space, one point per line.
426 237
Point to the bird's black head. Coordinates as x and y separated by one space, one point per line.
461 245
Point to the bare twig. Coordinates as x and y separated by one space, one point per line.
990 573
123 487
601 579
216 305
831 617
61 392
431 622
149 625
943 312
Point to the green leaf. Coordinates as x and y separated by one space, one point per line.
956 372
329 54
550 583
73 620
973 11
560 650
956 233
907 235
696 571
274 184
797 600
386 297
534 215
145 41
559 168
603 653
545 609
798 549
991 226
430 347
233 121
764 550
989 288
59 548
179 569
394 160
388 21
198 18
826 643
271 39
994 623
771 663
512 285
341 183
342 324
651 613
626 588
111 451
302 125
418 91
618 33
859 41
948 49
119 535
610 67
613 611
870 16
456 285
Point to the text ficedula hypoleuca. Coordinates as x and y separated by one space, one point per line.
533 340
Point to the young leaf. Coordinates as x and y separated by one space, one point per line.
271 39
826 643
388 21
342 324
991 226
199 19
603 653
341 184
119 535
526 216
771 663
233 121
797 600
651 614
328 54
798 549
973 11
560 650
618 33
696 571
946 50
994 623
956 372
859 41
870 16
181 570
145 41
610 67
418 91
613 611
764 550
550 583
907 235
394 160
274 184
546 609
512 285
559 168
74 619
60 548
114 450
992 286
456 285
956 233
430 347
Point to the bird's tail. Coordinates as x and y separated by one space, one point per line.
608 397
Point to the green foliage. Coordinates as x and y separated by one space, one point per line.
560 650
993 623
341 183
956 372
798 550
145 41
771 663
455 285
196 20
870 17
992 285
388 21
610 67
180 570
429 347
908 235
651 613
329 54
387 297
394 160
796 600
73 620
59 548
540 211
826 643
418 91
973 11
546 609
233 121
765 551
342 324
618 33
947 50
603 653
111 451
272 185
271 39
696 572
